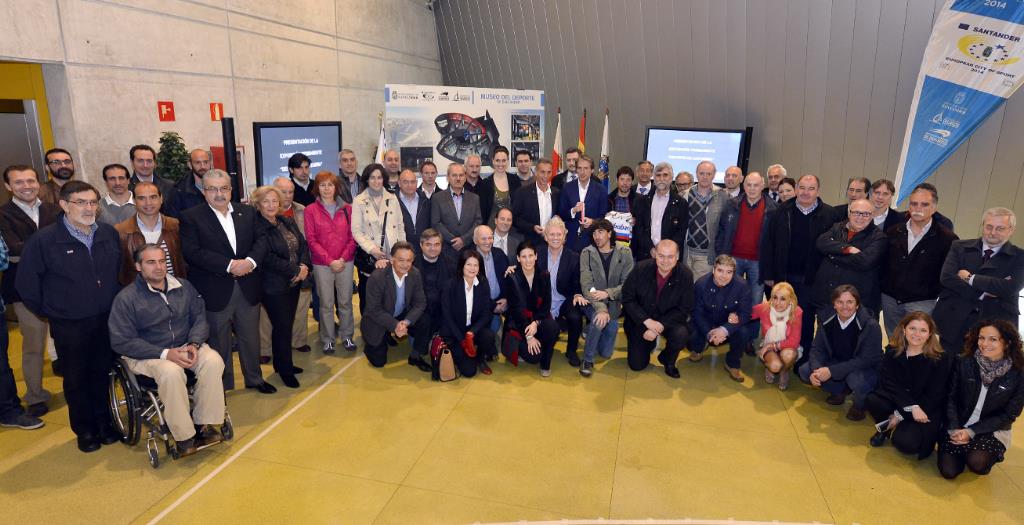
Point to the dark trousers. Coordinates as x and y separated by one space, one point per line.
83 347
860 382
423 332
281 312
361 291
377 354
570 318
484 341
638 349
909 437
244 319
547 334
10 405
737 342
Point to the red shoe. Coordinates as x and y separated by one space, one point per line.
485 370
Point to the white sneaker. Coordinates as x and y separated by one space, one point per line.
545 373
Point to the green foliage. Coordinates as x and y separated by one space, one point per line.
172 157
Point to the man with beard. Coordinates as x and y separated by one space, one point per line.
61 168
189 190
68 274
144 163
733 180
569 175
149 226
118 205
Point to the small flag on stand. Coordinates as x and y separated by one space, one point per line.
582 142
381 144
602 165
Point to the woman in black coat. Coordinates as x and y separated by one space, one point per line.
468 291
530 332
285 265
910 401
986 396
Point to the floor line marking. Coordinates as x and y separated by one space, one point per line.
195 488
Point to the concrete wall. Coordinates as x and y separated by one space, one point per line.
826 85
107 62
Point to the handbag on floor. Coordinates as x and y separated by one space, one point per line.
442 363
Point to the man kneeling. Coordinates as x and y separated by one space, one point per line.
158 323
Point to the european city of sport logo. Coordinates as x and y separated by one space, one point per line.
986 47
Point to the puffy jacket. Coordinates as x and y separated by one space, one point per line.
329 238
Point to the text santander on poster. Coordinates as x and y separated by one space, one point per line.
446 124
974 62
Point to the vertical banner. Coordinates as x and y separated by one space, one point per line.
972 65
602 165
556 148
446 124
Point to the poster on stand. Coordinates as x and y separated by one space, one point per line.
446 124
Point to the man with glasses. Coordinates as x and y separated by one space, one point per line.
188 192
144 163
981 279
683 183
20 219
223 272
61 168
852 253
119 204
68 274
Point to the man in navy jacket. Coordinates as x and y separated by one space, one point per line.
581 203
721 308
68 273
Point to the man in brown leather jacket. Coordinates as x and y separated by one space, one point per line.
148 225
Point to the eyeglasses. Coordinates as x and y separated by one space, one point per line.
861 214
85 204
214 189
57 162
997 229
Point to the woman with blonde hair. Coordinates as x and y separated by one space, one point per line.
908 403
780 333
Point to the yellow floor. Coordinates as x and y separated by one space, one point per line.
390 446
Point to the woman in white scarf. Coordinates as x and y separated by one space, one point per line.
780 333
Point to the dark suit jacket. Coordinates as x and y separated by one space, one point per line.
558 181
186 196
381 293
500 265
673 223
775 258
305 197
415 226
863 270
167 192
1002 276
345 192
567 281
448 223
527 304
454 324
641 301
16 228
595 206
914 276
526 214
277 270
207 252
514 240
485 189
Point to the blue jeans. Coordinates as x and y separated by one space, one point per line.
599 340
751 272
861 382
10 405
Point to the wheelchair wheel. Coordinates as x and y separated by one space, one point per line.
227 430
154 453
123 401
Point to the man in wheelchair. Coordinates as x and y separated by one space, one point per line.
158 323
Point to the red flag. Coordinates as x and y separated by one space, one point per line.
582 143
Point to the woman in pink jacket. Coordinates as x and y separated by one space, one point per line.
780 333
332 249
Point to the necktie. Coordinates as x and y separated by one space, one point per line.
988 255
643 191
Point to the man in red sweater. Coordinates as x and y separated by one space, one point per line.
741 231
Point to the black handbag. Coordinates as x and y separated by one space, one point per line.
364 262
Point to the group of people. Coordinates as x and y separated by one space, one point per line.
176 276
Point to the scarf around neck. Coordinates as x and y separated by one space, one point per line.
777 332
991 370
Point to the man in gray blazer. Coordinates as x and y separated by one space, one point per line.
604 267
455 213
394 303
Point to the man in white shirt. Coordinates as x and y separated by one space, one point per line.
534 204
428 173
644 174
504 238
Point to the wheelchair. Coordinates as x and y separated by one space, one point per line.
134 404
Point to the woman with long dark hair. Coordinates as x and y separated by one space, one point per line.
530 332
467 312
987 395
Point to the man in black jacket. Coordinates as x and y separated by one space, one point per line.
981 279
791 255
435 272
659 215
658 299
188 192
68 274
394 303
144 165
852 253
917 249
528 216
223 245
20 219
563 267
415 208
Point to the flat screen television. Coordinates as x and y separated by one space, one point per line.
276 142
684 148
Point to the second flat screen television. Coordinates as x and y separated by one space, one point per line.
277 141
